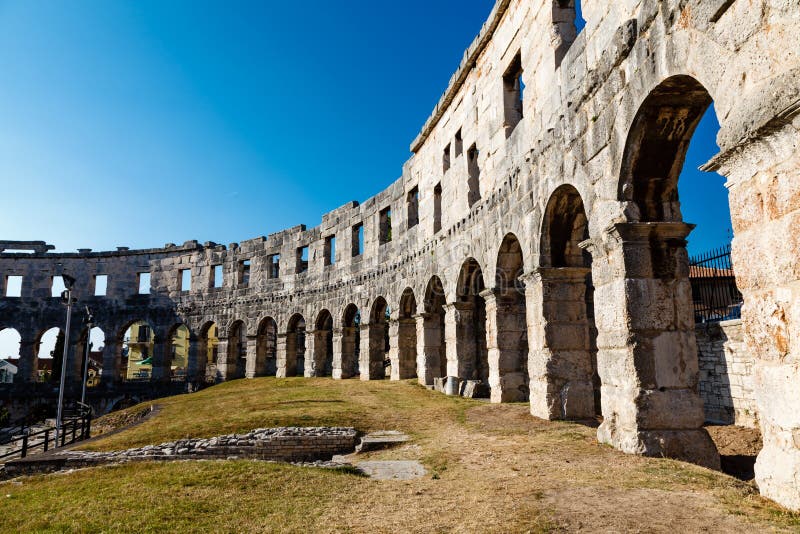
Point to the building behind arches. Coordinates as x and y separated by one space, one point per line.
535 110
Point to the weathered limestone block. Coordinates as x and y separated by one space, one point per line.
506 343
649 397
252 357
428 349
372 352
286 355
560 362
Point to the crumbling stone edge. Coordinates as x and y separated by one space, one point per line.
312 446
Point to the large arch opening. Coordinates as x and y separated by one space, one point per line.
138 343
178 360
470 347
48 355
431 343
346 362
295 346
508 334
656 295
374 360
403 349
10 340
97 339
267 347
564 380
236 364
208 352
323 345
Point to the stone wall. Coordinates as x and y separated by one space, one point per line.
285 444
726 374
536 236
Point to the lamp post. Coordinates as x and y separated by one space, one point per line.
66 298
89 325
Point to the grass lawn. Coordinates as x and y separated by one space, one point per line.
492 468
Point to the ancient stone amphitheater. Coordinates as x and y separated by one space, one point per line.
533 248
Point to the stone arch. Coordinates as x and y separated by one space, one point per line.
22 371
656 147
347 344
375 341
322 350
645 311
138 349
208 352
96 338
176 365
563 341
431 345
467 354
266 348
506 325
232 362
291 359
403 338
46 351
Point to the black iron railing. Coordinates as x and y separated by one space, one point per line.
76 426
714 291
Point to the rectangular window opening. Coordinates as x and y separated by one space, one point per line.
446 159
385 223
437 208
459 144
274 262
413 207
100 285
185 279
14 286
513 94
358 239
244 273
57 286
144 283
302 259
330 250
474 175
217 276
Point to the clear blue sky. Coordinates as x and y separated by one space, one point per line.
136 123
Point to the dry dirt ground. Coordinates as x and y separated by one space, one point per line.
491 468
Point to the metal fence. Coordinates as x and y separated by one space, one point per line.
76 426
714 292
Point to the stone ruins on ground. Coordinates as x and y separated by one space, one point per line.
533 244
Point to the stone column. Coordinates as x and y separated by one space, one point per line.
338 349
560 360
344 351
26 370
763 176
647 355
506 343
460 342
224 367
406 349
110 375
286 355
372 352
313 348
394 348
252 357
161 361
195 369
75 360
429 348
